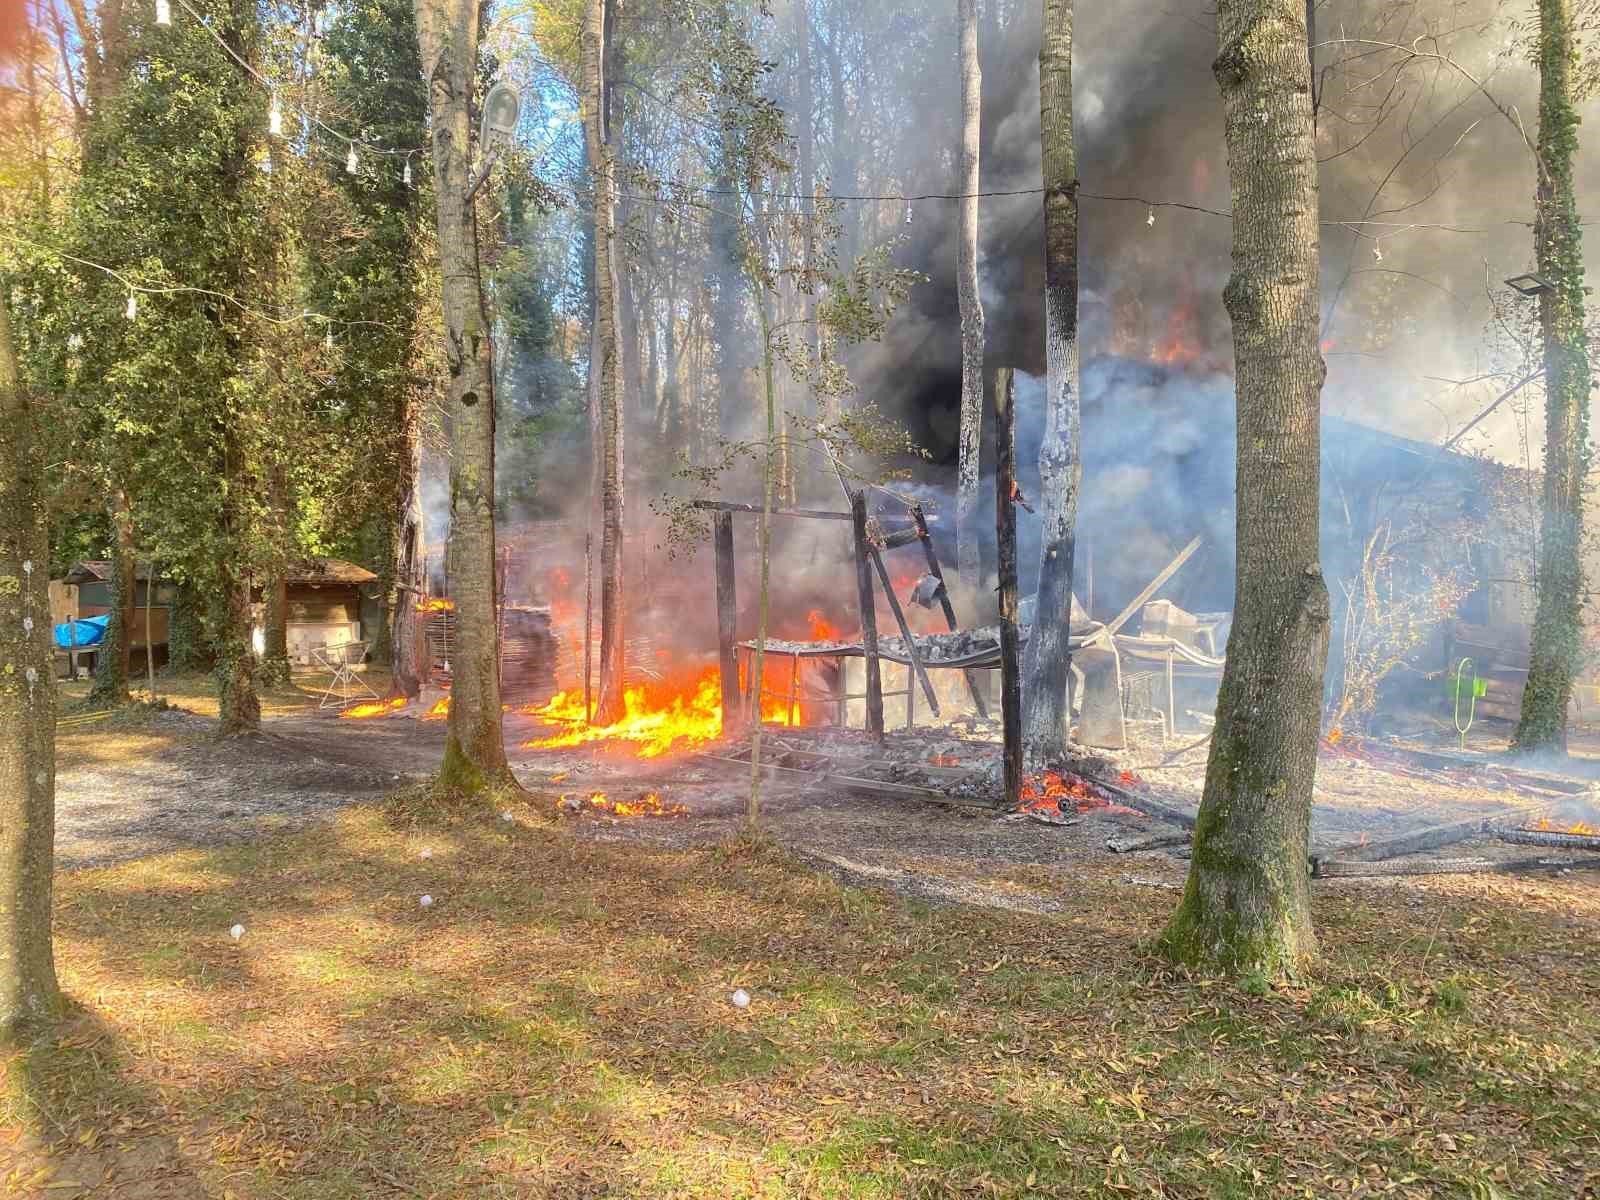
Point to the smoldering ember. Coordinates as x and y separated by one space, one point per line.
798 599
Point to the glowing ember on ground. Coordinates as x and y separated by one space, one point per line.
373 708
658 717
1546 826
439 711
437 604
1052 794
647 805
944 760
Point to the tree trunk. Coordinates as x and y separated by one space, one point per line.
1246 907
608 707
275 630
28 990
409 570
116 647
1558 624
806 133
239 707
1045 714
969 554
275 590
475 757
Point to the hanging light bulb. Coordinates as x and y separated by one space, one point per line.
351 162
163 12
405 177
133 305
275 119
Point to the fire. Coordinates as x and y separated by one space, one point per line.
373 708
439 711
1053 795
658 717
647 805
944 760
437 604
822 630
1580 827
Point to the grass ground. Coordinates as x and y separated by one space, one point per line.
557 1023
86 736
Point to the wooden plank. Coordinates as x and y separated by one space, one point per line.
1144 804
1151 588
869 615
1435 837
912 653
920 520
1161 841
727 612
1005 520
1552 838
728 507
882 787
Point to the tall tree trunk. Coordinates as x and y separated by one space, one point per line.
602 166
1247 903
475 756
239 707
1045 714
806 132
275 629
408 569
275 590
1558 624
969 553
28 989
116 647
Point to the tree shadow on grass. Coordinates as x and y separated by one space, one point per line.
78 1123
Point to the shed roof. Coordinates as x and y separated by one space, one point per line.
98 570
323 571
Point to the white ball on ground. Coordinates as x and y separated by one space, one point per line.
741 999
426 902
236 932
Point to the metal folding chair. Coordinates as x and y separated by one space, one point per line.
346 686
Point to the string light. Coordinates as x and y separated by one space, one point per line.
163 12
133 305
351 162
275 118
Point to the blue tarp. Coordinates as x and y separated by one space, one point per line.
91 631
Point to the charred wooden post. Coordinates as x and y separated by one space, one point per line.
1005 523
727 612
588 626
934 569
917 668
869 614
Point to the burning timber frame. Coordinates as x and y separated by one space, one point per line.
868 558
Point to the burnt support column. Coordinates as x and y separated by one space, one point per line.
869 615
937 572
1005 523
727 613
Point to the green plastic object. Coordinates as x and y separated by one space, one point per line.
1466 684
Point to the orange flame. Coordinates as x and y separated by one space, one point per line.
1579 827
822 630
372 708
437 604
658 717
439 711
1053 794
647 805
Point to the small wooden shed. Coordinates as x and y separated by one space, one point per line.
90 582
324 601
